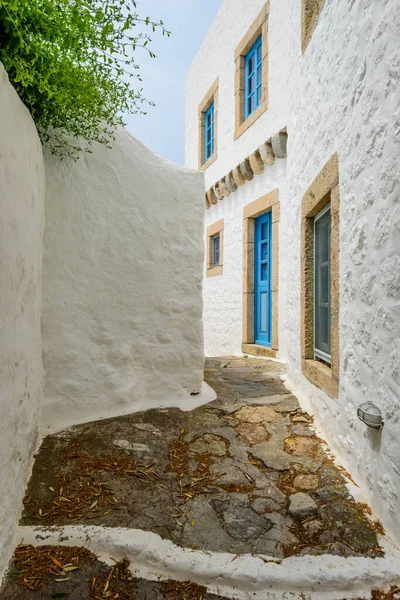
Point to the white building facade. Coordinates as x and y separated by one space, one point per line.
293 114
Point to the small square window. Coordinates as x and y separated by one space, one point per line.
216 241
253 78
215 248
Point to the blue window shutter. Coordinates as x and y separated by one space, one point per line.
253 78
263 280
209 132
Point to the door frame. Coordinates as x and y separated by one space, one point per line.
262 286
269 202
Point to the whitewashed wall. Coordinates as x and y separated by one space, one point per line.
223 293
215 59
341 96
346 99
122 303
21 242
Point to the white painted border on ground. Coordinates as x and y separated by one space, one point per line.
324 577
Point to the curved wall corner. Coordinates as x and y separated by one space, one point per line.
122 295
21 241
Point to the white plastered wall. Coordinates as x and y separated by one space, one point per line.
21 243
341 96
216 59
223 293
346 100
122 303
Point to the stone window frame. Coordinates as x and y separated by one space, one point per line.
258 28
216 228
268 202
310 10
209 98
323 190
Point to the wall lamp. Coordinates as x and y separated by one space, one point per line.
370 414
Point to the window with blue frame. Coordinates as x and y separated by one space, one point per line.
215 250
253 78
209 132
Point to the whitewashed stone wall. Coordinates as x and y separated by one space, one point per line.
215 59
21 242
346 99
223 294
122 303
341 96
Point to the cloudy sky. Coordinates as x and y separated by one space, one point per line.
163 128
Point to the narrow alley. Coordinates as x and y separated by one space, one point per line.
243 475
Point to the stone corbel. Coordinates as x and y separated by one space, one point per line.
230 183
253 165
246 170
223 189
217 192
238 177
267 154
279 144
256 163
211 196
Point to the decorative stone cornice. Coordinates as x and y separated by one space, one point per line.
275 147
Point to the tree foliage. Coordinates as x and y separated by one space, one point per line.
72 63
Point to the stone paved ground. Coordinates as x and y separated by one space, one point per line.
243 474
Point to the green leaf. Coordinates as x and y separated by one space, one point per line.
69 62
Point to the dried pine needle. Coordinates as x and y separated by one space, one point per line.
36 565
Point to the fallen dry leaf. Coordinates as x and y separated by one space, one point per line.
56 562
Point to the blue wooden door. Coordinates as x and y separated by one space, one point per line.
262 280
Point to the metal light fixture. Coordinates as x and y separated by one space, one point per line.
370 414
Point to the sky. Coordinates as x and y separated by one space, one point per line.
163 128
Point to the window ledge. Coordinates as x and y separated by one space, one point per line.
257 350
250 120
214 271
208 162
322 376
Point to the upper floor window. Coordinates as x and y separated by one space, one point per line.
208 127
253 81
209 132
251 74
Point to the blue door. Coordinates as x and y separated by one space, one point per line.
262 280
